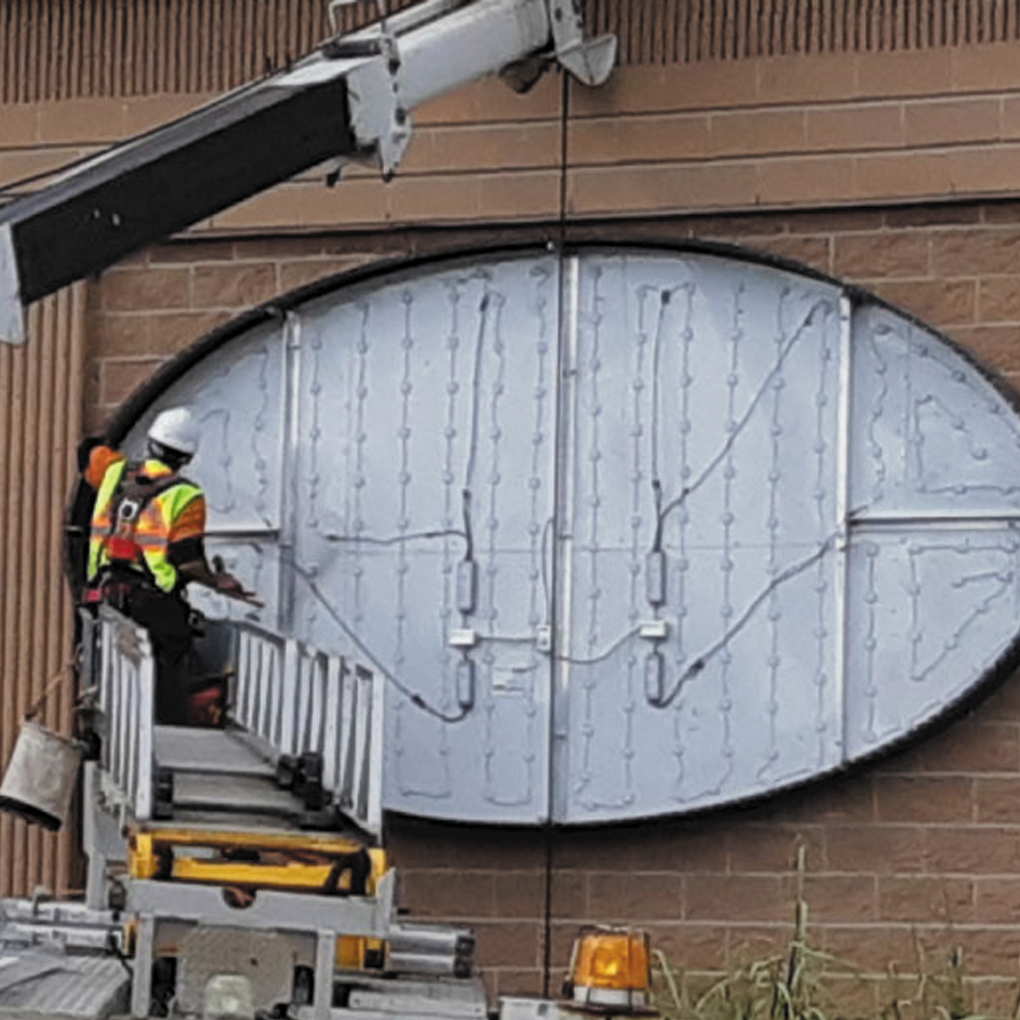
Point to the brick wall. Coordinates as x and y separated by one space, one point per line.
918 854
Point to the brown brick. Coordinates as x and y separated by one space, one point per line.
748 943
520 195
849 799
19 125
618 897
306 206
997 800
925 899
172 332
433 847
193 252
812 78
950 214
753 132
81 120
860 256
980 251
983 68
941 303
869 949
283 248
998 899
132 290
985 951
514 944
119 335
233 286
993 996
469 895
569 894
520 982
650 189
18 164
833 220
984 169
923 799
855 127
968 745
96 418
879 849
483 146
838 898
972 851
999 299
806 179
519 893
294 273
951 121
917 73
998 347
650 89
433 198
815 252
736 898
903 175
120 377
618 139
681 845
1000 211
690 946
1003 703
673 844
143 113
850 996
490 100
760 848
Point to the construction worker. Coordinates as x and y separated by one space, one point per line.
146 544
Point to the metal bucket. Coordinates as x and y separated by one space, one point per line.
41 776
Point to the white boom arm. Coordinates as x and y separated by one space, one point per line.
350 100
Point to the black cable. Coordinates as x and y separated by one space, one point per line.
416 699
396 539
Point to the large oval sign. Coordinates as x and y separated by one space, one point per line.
628 532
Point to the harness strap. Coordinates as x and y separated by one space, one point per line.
134 492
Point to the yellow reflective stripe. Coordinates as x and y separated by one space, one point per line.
174 501
164 573
100 514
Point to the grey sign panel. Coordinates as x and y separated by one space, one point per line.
625 532
424 486
703 510
931 435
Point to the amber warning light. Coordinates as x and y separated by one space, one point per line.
610 970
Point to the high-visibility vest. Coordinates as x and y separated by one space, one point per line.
135 528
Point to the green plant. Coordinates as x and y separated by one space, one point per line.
792 984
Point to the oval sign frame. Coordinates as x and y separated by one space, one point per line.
691 568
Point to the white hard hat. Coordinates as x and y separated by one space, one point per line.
178 429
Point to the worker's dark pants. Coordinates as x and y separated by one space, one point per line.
165 617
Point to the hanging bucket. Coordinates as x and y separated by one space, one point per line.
41 776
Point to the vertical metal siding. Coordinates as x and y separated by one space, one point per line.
41 396
61 49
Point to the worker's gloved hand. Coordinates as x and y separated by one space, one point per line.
229 584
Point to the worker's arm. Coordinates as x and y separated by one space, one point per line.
186 551
95 458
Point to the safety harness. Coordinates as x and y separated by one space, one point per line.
133 493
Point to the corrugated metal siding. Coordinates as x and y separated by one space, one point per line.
41 387
59 49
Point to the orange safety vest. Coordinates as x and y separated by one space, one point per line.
140 512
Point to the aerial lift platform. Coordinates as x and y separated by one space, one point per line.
237 871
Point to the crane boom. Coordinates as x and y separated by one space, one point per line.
350 100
